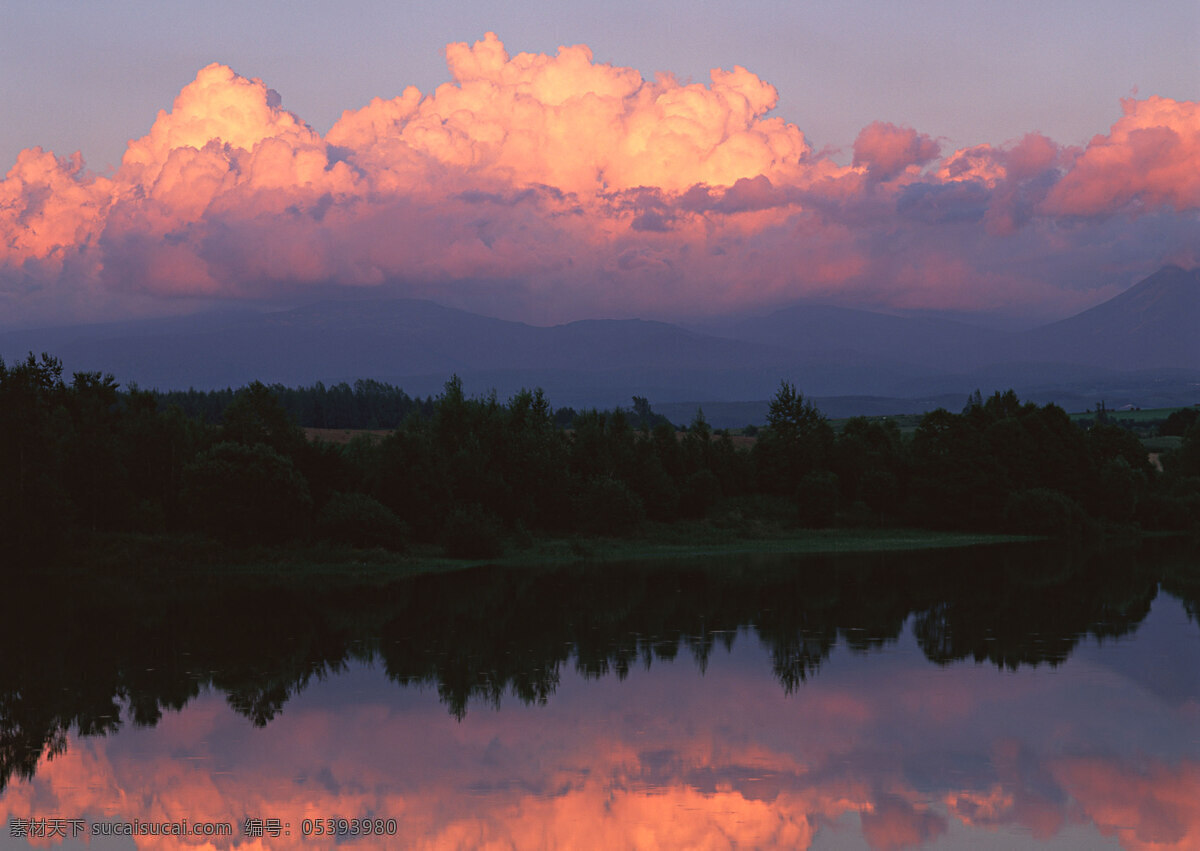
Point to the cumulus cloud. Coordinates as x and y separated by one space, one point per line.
1148 161
569 122
886 150
557 187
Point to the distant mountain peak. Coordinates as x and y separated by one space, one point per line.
1152 324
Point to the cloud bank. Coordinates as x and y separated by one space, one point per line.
556 187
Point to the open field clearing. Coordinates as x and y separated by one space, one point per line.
345 435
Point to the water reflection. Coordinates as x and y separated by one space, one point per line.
841 732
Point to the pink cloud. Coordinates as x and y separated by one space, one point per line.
558 187
48 206
886 150
1031 155
1148 159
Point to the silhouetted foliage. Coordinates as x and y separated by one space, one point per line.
366 404
699 494
35 430
1039 511
471 533
1185 461
817 500
256 416
797 441
84 457
642 417
606 506
360 521
246 494
1178 422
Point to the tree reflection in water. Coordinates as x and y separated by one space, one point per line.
145 645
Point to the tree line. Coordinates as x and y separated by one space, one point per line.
365 404
477 474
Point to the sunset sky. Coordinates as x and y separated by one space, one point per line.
664 160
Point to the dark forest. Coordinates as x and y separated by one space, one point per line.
477 476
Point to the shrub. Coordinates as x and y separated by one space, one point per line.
1039 511
606 506
246 494
879 490
470 532
1178 422
699 494
817 500
1159 512
360 521
859 515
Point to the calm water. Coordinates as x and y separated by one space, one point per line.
1005 699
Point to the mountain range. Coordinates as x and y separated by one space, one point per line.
1141 348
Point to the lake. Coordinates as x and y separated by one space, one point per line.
1009 697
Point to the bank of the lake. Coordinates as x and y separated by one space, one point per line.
192 554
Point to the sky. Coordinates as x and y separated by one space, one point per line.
550 162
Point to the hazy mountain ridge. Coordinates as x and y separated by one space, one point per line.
1153 324
1139 345
825 330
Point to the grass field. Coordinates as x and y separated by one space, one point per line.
1139 417
343 435
1162 444
168 555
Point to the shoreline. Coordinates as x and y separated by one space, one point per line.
164 554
